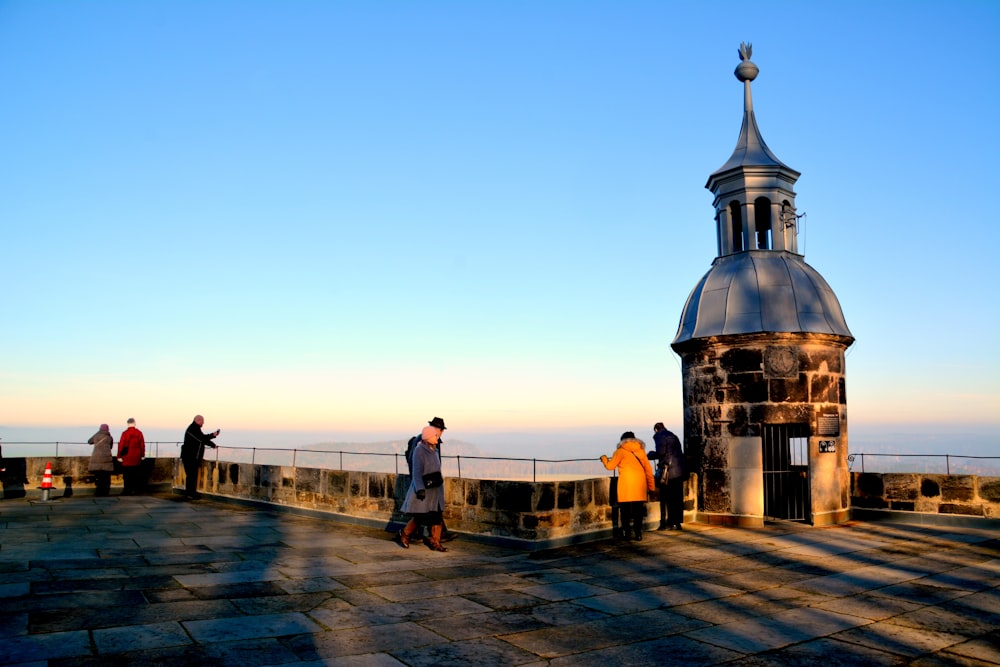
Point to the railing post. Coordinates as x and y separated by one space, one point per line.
295 453
459 466
947 464
341 459
534 474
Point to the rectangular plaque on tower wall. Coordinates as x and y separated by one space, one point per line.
828 423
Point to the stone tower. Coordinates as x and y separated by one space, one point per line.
762 340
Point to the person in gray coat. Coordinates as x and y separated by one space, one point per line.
102 464
425 497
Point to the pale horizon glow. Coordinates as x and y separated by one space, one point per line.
295 216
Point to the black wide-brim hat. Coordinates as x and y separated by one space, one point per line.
437 422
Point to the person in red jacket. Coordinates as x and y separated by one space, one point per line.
131 452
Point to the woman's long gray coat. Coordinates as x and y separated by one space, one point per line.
425 461
101 459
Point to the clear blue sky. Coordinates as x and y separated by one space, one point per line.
352 216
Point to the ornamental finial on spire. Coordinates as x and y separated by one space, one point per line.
746 70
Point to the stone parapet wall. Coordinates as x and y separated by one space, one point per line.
965 495
70 474
528 514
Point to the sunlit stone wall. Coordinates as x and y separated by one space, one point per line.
525 514
735 385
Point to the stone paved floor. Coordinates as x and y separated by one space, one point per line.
156 580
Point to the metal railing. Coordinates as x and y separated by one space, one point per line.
70 448
364 461
947 458
492 467
511 468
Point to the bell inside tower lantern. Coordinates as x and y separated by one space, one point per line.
762 340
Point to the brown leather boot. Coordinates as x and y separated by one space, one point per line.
403 536
435 544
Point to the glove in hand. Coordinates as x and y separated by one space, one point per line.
421 494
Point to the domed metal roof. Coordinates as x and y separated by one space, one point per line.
761 291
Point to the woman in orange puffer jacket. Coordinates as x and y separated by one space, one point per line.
635 481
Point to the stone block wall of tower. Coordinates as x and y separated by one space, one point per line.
734 386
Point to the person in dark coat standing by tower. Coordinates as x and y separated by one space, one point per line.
192 452
669 455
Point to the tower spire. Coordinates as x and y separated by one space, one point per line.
746 72
753 189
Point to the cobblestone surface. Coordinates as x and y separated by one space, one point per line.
158 580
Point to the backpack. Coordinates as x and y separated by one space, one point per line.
410 446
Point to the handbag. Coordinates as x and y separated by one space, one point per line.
433 480
664 475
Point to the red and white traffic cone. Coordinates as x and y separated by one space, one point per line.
46 482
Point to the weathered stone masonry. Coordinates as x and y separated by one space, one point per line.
527 514
733 385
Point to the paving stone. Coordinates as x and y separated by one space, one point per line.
900 640
566 590
32 648
612 631
941 619
246 653
920 593
352 641
223 578
732 609
489 624
677 650
869 606
823 653
986 649
973 578
15 590
248 589
658 596
503 600
422 590
265 625
486 651
89 619
310 585
390 578
12 625
81 600
363 660
564 613
396 612
133 637
280 603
